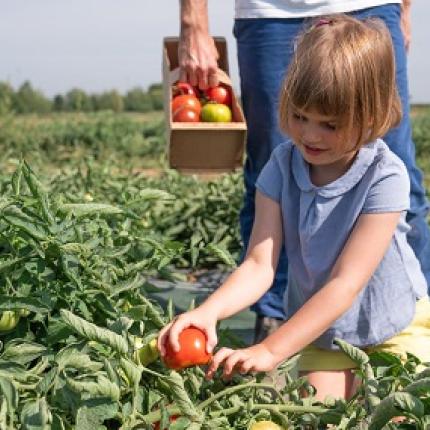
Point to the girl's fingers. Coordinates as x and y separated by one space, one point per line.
177 327
247 365
233 362
217 359
162 337
212 339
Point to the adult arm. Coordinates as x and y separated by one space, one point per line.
197 53
405 23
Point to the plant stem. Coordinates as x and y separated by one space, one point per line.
231 390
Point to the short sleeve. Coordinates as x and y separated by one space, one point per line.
389 191
269 182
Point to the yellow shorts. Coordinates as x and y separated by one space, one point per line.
414 339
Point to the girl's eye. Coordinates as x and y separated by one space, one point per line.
330 126
298 117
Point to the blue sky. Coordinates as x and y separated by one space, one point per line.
98 45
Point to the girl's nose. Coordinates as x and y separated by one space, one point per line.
311 134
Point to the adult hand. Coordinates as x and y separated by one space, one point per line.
195 318
198 57
405 23
257 358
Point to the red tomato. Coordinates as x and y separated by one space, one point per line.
192 351
185 114
184 88
188 101
172 419
219 94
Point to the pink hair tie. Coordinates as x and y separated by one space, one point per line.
323 21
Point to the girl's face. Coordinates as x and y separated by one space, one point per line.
320 140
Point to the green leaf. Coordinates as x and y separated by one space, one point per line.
17 303
186 406
22 352
18 219
85 209
419 388
7 388
102 387
44 385
94 412
222 254
93 332
354 353
35 415
72 357
396 404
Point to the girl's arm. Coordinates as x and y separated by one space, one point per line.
357 262
255 275
244 286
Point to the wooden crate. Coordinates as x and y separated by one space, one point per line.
202 147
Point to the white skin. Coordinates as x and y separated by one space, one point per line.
317 137
197 53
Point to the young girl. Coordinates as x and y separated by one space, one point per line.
337 197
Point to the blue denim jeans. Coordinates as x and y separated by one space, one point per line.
265 47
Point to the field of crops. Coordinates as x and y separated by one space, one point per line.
89 217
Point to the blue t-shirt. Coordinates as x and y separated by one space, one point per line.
317 222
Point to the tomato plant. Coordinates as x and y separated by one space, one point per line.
186 101
219 94
185 114
216 112
192 350
184 88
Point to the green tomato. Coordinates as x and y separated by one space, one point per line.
23 313
216 112
9 320
145 354
265 425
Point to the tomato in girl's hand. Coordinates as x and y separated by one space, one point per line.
188 101
184 88
219 94
192 350
185 114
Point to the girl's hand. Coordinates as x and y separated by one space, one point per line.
256 358
195 318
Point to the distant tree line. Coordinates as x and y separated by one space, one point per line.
27 99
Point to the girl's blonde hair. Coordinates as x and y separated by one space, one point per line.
344 68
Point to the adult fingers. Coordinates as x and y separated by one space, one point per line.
207 76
